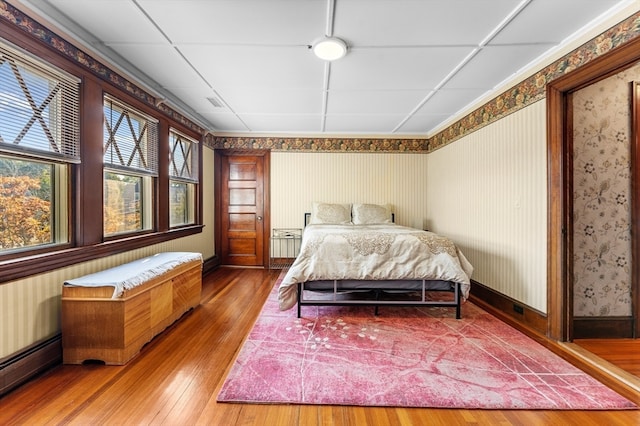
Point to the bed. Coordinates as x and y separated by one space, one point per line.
354 254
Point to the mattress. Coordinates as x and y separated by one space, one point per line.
389 253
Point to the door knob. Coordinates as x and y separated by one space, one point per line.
259 218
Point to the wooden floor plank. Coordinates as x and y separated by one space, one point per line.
624 353
176 378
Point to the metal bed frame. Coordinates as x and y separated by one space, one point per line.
375 292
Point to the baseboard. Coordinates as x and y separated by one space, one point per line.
210 264
37 358
518 311
602 327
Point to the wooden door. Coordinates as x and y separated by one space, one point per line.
242 208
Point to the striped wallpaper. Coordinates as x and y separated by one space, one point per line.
298 179
488 192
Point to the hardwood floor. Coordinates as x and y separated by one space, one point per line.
177 376
623 353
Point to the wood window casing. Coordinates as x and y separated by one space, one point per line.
85 210
635 206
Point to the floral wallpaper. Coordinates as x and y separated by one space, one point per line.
601 197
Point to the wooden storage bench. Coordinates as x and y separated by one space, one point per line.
108 316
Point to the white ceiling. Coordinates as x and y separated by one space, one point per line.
411 64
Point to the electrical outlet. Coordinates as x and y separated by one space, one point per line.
519 309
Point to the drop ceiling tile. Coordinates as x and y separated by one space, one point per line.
283 123
373 101
395 69
111 20
225 122
418 23
362 123
239 22
250 66
162 63
493 64
422 124
244 100
551 20
449 101
196 98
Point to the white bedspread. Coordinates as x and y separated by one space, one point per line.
373 252
132 274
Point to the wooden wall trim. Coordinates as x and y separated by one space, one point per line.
635 206
30 362
498 303
210 265
559 303
602 327
556 222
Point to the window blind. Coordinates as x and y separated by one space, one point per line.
183 157
39 108
130 138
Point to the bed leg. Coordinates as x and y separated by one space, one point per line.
458 301
299 298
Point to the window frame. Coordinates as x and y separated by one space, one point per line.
61 232
148 175
85 224
53 96
191 180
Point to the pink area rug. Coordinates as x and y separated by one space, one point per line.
405 357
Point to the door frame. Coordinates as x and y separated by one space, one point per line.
559 153
217 196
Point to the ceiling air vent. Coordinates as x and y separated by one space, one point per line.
216 101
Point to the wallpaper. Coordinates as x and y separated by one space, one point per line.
487 192
601 197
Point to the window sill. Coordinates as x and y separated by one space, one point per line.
21 267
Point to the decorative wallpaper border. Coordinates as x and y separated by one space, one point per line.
18 19
533 88
323 144
525 93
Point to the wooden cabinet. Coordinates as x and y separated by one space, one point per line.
96 326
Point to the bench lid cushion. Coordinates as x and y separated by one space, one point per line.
132 274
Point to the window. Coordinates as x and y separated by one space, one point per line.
53 212
183 178
39 139
130 167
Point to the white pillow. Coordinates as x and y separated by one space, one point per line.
370 214
330 213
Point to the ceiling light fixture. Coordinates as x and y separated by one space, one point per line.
330 48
